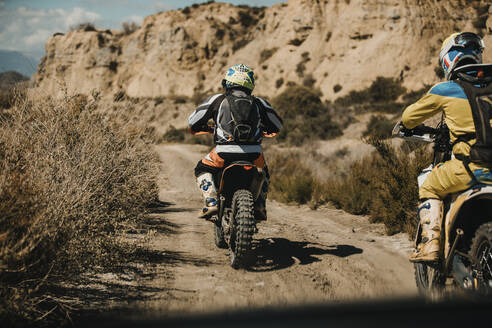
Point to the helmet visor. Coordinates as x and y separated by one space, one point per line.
468 40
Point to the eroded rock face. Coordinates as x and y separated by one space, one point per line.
344 42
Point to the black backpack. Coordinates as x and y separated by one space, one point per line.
478 90
239 119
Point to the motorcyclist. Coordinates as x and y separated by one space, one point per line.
451 176
238 83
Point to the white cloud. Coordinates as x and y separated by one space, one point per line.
79 15
134 18
27 30
159 6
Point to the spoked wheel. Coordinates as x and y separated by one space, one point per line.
429 280
481 251
242 230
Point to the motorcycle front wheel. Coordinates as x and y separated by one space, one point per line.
481 251
429 280
242 229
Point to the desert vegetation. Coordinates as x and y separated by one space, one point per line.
72 186
380 96
390 196
305 116
129 27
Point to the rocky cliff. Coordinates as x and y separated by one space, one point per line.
322 43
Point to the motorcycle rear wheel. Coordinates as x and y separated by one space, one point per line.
242 230
429 280
481 251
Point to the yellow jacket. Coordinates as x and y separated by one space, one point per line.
447 97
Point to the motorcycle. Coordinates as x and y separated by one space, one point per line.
466 239
235 224
240 185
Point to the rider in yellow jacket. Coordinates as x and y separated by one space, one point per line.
451 176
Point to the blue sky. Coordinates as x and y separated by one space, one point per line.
26 25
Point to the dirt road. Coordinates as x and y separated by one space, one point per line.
304 256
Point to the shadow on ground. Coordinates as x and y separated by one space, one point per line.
159 207
119 286
280 253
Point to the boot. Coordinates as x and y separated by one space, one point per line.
206 184
430 213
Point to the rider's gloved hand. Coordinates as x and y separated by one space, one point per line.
399 130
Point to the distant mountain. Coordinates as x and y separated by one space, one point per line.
16 61
10 79
333 46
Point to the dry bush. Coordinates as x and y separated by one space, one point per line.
70 185
390 195
129 27
291 180
86 27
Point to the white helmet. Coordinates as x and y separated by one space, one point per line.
459 47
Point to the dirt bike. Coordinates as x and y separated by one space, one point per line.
240 185
235 224
466 238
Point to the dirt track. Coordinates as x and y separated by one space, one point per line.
304 256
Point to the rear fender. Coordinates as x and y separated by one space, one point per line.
467 211
241 175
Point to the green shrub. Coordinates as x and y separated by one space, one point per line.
296 42
382 185
305 116
291 181
174 135
265 54
183 136
279 82
385 89
382 90
379 127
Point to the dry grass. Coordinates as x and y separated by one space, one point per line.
291 180
70 185
389 196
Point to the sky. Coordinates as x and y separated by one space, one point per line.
25 25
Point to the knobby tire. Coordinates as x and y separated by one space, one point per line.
243 228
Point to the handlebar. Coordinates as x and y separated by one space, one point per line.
209 129
419 133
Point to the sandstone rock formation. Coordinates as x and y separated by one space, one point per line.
325 43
